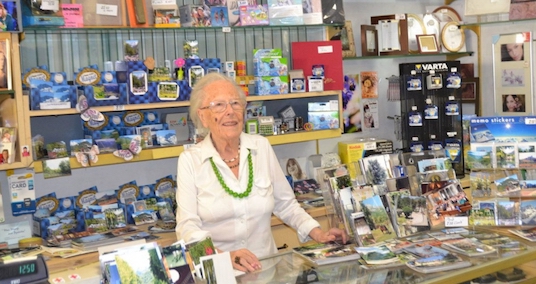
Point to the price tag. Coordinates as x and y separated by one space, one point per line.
119 107
325 49
530 120
164 2
106 10
226 29
456 221
186 146
52 5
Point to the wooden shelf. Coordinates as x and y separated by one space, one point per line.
174 151
56 112
253 98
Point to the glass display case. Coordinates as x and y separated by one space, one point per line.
289 267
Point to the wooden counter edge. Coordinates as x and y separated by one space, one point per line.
314 212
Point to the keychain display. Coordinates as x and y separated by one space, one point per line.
432 113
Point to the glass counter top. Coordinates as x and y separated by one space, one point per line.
290 267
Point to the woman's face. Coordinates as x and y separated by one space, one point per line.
227 124
367 86
511 103
5 154
515 50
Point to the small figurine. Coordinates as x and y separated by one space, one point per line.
179 62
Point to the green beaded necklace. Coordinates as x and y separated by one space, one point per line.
226 188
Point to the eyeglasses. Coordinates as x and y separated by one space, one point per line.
221 106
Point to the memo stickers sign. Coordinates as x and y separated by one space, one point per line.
502 142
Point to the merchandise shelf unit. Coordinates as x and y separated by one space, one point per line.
67 50
86 46
12 101
273 103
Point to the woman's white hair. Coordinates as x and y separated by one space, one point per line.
198 96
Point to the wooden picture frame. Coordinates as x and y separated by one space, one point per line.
427 44
470 92
512 74
346 35
5 66
469 89
392 34
369 40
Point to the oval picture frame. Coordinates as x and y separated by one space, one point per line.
415 27
453 37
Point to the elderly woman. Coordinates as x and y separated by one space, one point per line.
229 184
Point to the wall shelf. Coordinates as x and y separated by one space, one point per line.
251 98
450 54
174 151
100 29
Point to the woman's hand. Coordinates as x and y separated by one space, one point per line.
332 235
245 260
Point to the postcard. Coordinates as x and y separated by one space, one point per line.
508 186
507 213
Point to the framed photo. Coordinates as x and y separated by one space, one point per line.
138 83
168 91
369 40
346 35
471 92
5 62
512 74
12 21
427 44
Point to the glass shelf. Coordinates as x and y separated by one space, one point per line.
496 22
457 54
99 29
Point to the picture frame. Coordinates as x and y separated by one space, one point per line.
369 40
13 9
392 34
346 35
427 44
452 37
483 7
470 89
415 27
5 66
470 92
512 74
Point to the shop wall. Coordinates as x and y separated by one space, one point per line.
110 177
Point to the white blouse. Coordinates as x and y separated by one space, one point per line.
205 209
